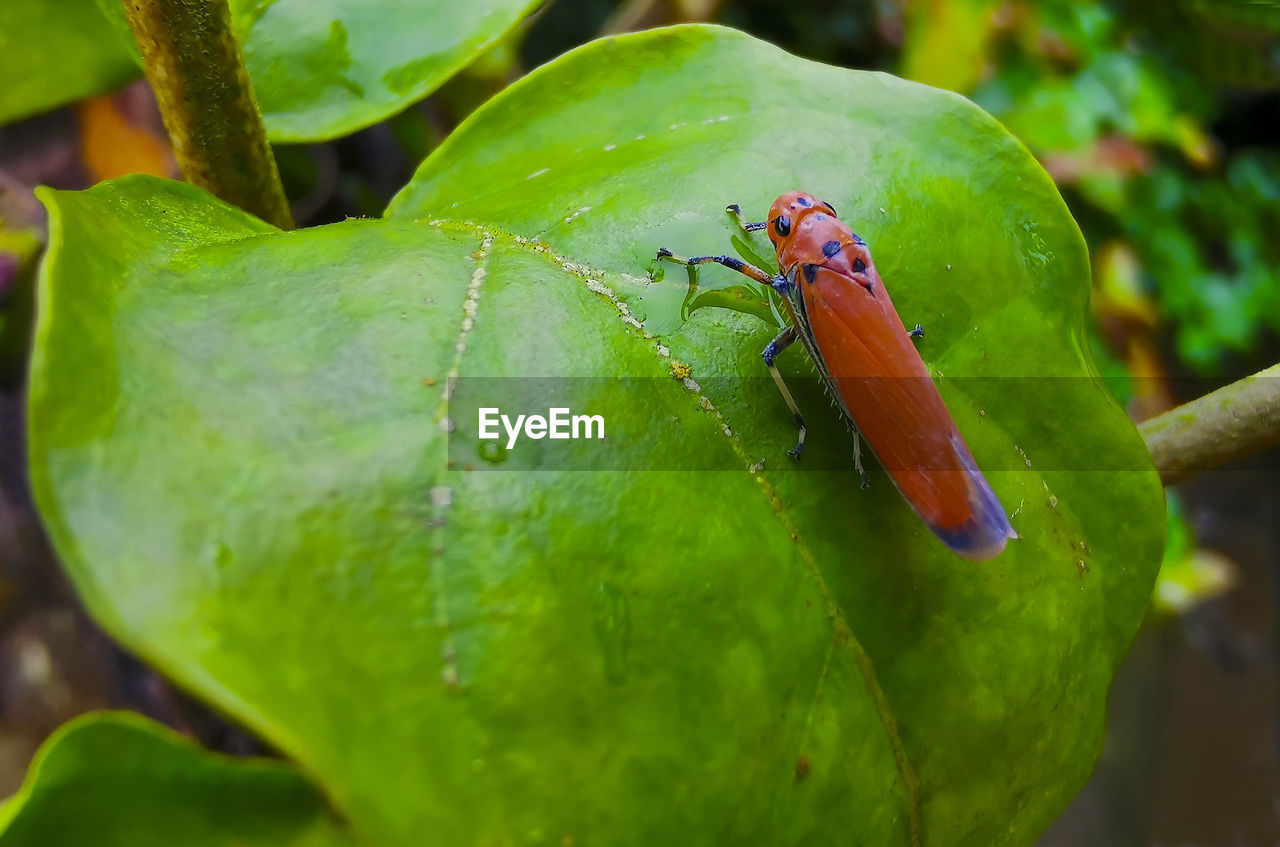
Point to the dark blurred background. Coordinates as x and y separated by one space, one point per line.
1160 123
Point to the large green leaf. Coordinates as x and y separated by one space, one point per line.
996 673
56 51
324 69
237 445
118 779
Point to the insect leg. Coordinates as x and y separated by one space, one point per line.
918 332
857 456
730 262
734 210
776 346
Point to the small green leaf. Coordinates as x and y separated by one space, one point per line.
55 51
118 779
321 72
318 71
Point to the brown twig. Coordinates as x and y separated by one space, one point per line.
195 66
1234 421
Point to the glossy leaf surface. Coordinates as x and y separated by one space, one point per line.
239 445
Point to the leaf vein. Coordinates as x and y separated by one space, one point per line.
442 493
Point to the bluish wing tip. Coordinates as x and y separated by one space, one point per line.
984 535
974 541
987 530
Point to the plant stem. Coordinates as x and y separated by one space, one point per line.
1234 421
195 66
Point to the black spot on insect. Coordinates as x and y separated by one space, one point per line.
782 224
859 266
804 201
819 217
810 273
831 248
832 208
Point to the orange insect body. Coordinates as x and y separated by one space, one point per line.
842 314
844 317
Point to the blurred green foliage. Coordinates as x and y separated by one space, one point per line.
1152 119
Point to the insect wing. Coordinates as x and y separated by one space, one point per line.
872 365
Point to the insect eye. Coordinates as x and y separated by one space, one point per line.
782 225
859 266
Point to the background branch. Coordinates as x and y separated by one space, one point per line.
195 66
1234 421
